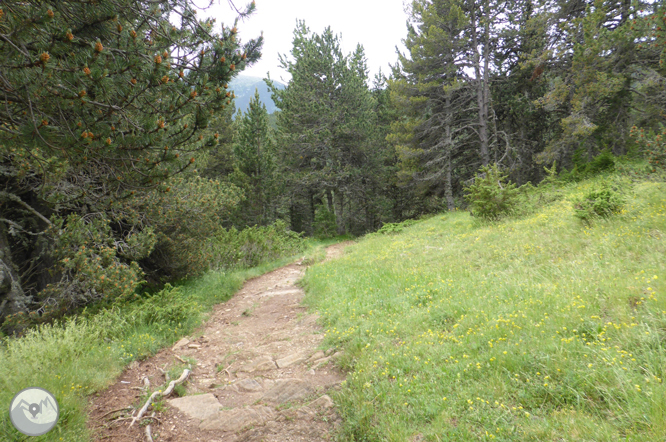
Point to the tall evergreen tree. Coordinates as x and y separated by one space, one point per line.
325 115
101 101
254 152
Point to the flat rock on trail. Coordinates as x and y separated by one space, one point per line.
258 376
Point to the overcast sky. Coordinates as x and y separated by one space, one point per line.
379 25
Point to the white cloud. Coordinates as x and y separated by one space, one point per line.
378 25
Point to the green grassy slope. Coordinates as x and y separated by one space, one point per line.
536 329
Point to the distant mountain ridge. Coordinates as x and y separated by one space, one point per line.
244 87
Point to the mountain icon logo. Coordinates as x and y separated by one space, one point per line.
34 411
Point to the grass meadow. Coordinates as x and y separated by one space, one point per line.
537 328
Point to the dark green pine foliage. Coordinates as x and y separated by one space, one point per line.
436 134
101 102
254 154
597 63
325 119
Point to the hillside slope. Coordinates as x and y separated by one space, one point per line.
534 329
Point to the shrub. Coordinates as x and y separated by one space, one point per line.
653 146
602 202
324 223
391 228
491 196
255 245
603 162
185 215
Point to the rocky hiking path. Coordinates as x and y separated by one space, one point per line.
258 374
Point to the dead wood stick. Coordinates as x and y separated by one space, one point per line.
148 436
167 392
166 374
180 359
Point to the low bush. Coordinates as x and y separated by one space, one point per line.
393 228
604 162
490 196
598 203
255 245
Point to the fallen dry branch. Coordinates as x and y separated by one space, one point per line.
166 393
149 437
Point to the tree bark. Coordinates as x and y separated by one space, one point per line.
482 86
12 297
448 188
329 200
339 211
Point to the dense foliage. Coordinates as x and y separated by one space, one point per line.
103 104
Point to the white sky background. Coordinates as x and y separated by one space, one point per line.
378 25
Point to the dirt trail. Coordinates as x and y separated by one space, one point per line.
258 374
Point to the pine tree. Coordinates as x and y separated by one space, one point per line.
101 101
254 152
324 122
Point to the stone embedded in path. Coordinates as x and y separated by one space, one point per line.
208 383
180 343
237 419
286 390
272 293
323 402
318 355
198 406
319 362
262 363
291 359
248 386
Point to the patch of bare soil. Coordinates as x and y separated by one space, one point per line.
258 374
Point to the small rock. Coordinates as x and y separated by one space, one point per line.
208 383
248 386
337 355
323 361
199 406
180 343
311 372
323 402
291 359
320 354
237 419
288 390
260 364
304 412
272 426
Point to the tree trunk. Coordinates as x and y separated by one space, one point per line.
448 188
12 297
339 211
329 200
481 80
